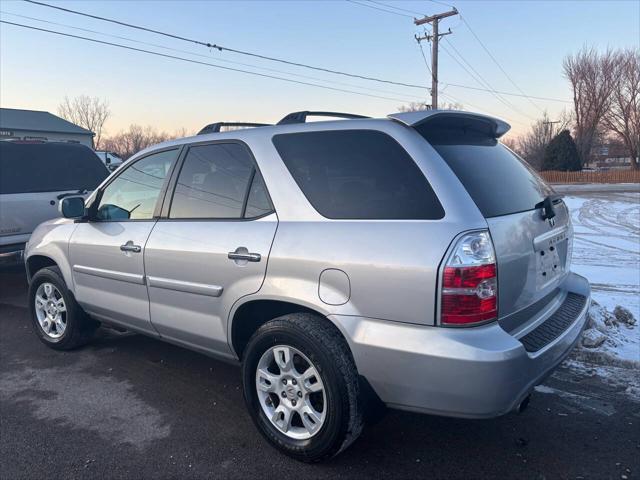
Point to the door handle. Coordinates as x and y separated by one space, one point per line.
242 253
130 247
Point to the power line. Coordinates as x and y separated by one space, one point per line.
462 20
498 64
487 90
464 103
507 93
208 56
426 63
209 45
479 109
480 79
397 8
442 3
424 57
174 57
474 75
368 5
421 14
228 49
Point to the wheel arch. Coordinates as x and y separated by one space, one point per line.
247 317
38 262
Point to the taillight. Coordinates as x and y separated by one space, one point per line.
469 282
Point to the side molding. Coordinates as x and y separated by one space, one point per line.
111 274
182 286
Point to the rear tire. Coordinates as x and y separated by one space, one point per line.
323 406
56 317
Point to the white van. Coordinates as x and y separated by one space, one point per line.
34 177
110 159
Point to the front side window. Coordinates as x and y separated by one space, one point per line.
134 193
358 174
219 181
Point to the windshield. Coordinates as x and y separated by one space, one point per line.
499 181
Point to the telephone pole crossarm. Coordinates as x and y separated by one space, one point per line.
437 16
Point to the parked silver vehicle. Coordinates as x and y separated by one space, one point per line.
34 177
411 260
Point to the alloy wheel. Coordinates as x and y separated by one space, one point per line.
51 310
291 392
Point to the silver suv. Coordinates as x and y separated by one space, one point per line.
411 260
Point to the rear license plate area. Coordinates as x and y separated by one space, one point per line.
548 262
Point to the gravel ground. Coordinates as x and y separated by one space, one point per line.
131 407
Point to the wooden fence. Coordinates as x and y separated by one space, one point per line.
608 176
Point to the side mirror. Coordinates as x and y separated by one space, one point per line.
72 207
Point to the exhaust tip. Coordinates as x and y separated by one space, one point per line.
524 404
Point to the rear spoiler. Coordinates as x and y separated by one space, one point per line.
494 127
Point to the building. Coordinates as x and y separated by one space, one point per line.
37 125
608 156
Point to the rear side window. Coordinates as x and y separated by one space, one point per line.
499 181
358 174
219 181
48 167
258 203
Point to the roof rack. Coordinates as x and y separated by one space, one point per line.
215 127
301 117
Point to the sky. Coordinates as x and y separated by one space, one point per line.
528 39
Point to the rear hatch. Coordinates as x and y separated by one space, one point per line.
33 179
532 252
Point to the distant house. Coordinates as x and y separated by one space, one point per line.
37 125
608 156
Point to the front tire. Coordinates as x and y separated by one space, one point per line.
301 387
57 319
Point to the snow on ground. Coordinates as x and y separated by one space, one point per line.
606 250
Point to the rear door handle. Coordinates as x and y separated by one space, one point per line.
130 247
241 253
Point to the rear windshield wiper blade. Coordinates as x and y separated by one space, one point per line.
547 206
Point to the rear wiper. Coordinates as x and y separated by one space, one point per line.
547 206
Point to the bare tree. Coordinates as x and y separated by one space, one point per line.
512 143
531 146
592 78
136 138
419 106
623 116
88 112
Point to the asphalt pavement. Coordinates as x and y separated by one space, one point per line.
127 406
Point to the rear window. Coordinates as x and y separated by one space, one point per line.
48 167
499 181
358 174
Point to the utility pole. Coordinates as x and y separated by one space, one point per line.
548 126
435 37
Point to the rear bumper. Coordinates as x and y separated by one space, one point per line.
477 372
